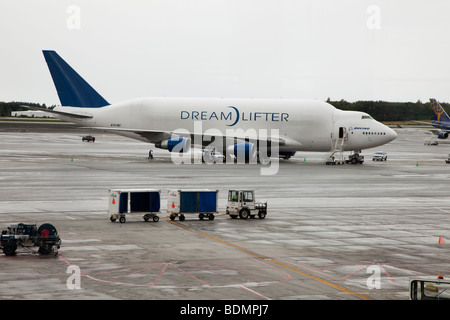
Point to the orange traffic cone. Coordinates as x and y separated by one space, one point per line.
441 240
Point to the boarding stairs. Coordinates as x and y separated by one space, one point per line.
336 154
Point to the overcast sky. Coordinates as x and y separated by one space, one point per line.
395 50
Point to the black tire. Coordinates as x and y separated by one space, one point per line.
10 249
122 219
44 249
244 213
155 219
211 217
112 219
182 218
262 214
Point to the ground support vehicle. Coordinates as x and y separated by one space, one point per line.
379 156
242 203
428 288
430 142
192 201
88 138
355 159
27 236
330 161
130 201
212 157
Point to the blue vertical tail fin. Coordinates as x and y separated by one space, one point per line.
72 89
439 113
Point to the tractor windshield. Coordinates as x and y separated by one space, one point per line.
233 196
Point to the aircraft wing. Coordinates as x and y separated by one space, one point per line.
154 136
422 122
62 113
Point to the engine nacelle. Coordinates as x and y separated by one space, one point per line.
178 144
243 150
442 135
286 154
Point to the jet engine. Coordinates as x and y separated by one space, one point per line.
243 150
442 135
286 154
177 144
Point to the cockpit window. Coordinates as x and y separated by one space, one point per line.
366 117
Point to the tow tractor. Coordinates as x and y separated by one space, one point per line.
28 235
355 158
448 159
242 203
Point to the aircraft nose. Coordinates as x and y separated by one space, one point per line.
390 134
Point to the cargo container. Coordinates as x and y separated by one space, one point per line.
132 201
186 201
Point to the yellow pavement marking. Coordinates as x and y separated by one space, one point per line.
347 291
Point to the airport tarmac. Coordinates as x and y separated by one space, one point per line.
344 232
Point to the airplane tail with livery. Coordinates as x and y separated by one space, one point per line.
441 120
439 113
72 89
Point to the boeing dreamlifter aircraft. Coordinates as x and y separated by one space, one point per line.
176 124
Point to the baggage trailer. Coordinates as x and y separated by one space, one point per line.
187 201
130 201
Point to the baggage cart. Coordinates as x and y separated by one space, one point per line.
130 201
192 201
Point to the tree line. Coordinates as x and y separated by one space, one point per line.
379 110
7 107
391 111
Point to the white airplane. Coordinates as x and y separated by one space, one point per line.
176 124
